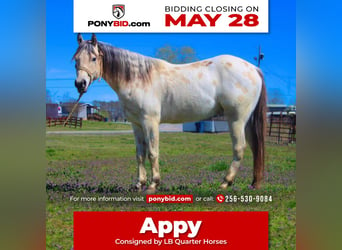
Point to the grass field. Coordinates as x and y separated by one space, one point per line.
79 165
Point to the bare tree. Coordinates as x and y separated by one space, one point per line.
184 54
276 97
113 110
48 96
67 98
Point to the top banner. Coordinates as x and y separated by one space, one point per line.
171 16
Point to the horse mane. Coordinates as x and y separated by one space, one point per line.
120 64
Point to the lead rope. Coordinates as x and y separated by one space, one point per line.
73 109
79 98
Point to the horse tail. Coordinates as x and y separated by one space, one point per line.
258 125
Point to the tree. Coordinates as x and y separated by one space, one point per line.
276 97
67 98
48 96
112 110
184 54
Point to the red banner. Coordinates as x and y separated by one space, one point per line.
170 230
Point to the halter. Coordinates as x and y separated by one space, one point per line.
90 74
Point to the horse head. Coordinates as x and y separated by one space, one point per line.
88 58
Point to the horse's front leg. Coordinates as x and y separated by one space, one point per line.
141 156
151 131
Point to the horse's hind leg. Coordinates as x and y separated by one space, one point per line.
237 133
141 156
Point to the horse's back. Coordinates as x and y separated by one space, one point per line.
199 90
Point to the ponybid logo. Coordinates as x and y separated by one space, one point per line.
118 10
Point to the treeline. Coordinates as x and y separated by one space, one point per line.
112 110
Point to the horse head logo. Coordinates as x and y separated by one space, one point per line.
118 10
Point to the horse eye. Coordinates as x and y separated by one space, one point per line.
93 59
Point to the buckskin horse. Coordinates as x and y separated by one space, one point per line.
153 91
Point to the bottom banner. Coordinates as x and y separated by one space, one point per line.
170 230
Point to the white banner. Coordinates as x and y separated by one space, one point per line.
229 16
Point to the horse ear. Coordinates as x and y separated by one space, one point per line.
93 39
79 38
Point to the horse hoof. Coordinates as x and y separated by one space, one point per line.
151 190
226 184
254 186
139 188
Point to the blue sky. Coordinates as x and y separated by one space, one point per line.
279 47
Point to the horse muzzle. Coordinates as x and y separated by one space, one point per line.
81 86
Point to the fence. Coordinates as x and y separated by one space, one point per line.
281 127
72 122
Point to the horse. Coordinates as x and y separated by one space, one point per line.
153 91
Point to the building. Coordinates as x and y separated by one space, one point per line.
281 109
212 125
51 110
206 126
84 110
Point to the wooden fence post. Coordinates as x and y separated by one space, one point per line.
289 124
293 126
271 120
279 125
